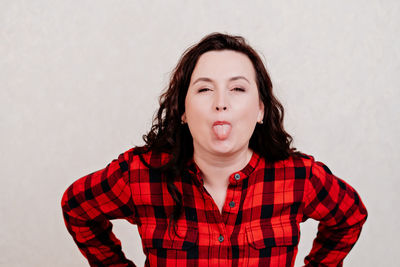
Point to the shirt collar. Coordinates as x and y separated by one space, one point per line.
235 178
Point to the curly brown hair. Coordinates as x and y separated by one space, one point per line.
167 134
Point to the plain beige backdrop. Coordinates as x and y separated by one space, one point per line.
80 82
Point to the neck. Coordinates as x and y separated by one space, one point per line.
217 168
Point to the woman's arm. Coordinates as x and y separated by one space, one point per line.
88 206
340 211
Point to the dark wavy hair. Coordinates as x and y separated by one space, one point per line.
167 134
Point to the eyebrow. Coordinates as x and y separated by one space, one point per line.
210 80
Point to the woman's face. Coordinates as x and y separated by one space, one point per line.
222 89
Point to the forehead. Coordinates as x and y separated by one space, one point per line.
223 64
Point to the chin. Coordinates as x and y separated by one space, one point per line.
223 148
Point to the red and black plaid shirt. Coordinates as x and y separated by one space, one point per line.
259 224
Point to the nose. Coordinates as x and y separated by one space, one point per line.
221 101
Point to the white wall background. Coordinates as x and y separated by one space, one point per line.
80 82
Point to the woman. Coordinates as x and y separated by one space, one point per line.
217 182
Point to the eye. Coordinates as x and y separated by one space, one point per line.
239 89
203 90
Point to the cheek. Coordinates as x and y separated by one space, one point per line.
195 109
195 116
248 110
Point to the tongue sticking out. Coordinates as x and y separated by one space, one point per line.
222 131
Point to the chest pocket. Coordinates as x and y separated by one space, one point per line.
156 236
266 235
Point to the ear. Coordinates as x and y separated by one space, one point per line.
183 117
261 112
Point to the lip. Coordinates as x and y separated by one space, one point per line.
221 123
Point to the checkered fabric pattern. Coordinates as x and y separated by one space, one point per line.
259 225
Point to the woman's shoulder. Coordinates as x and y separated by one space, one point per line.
141 156
303 160
299 165
297 159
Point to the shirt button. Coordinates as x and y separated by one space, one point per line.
232 204
220 238
237 176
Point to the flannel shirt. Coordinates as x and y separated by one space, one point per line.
259 224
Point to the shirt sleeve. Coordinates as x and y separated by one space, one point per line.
340 212
90 203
